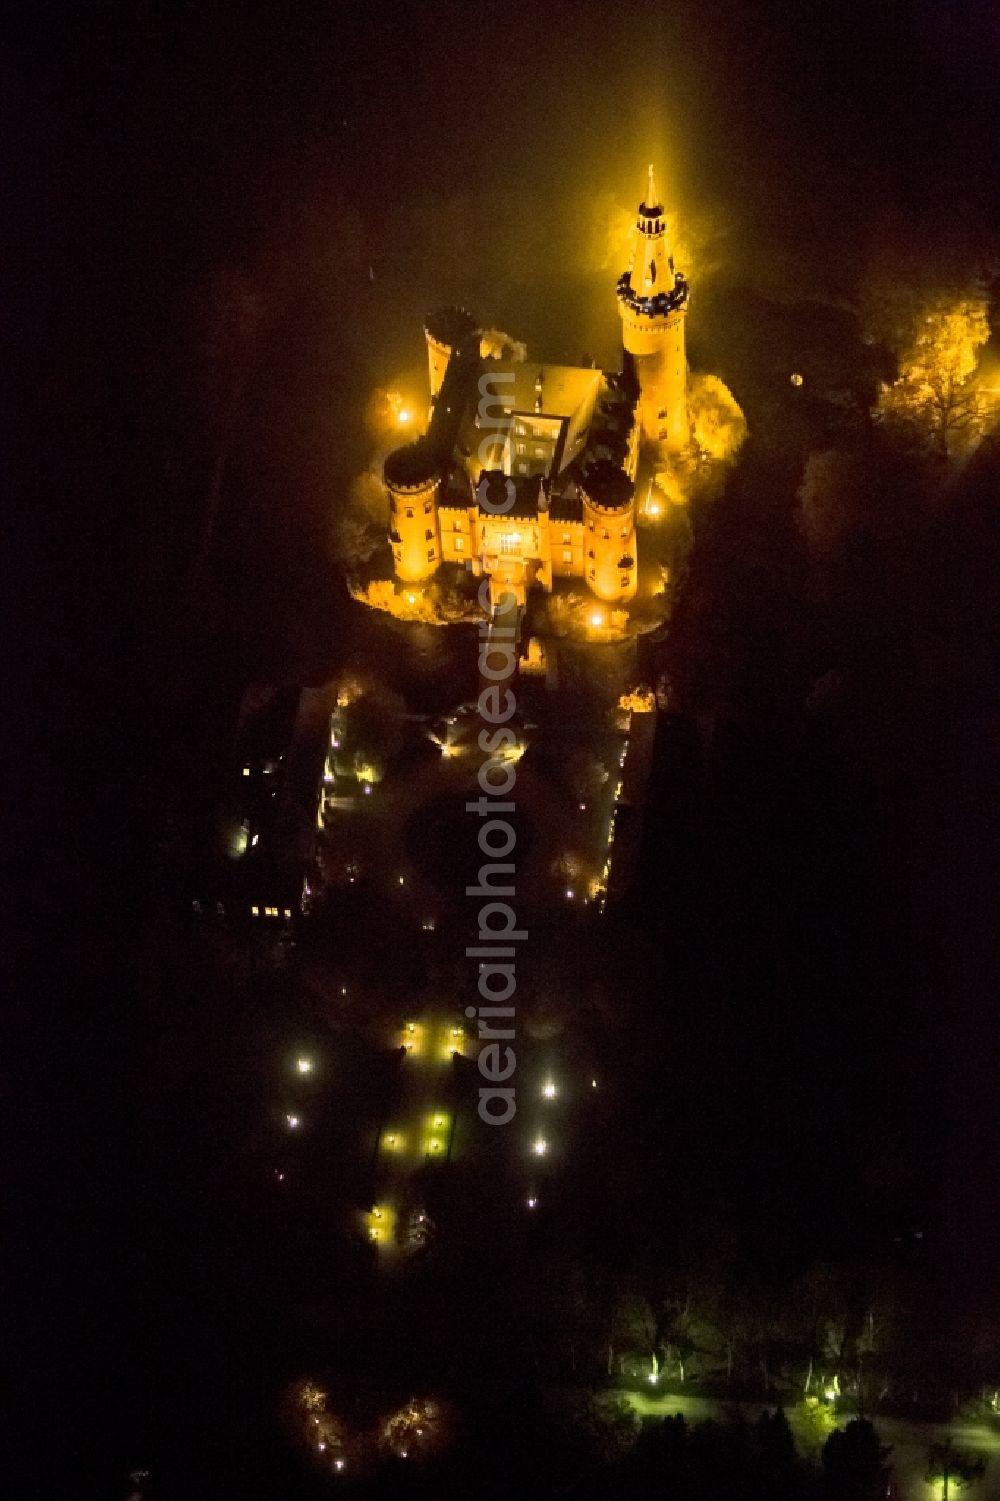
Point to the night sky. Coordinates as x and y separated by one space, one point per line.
835 882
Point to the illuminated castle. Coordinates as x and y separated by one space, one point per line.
526 472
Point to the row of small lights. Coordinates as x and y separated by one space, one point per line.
303 1065
540 1145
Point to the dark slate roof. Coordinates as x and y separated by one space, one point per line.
566 508
413 464
450 325
494 486
607 484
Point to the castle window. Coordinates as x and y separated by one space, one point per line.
566 539
624 533
590 553
459 544
427 507
624 580
567 555
430 555
428 535
605 535
590 574
409 513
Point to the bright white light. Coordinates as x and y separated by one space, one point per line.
532 1202
652 1378
597 619
540 1146
404 415
321 1447
338 1464
549 1089
304 1065
593 1083
569 893
402 880
293 1121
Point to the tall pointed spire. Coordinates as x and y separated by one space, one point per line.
652 301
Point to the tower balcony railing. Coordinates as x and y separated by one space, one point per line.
658 305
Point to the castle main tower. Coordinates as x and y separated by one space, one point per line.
652 302
608 497
444 331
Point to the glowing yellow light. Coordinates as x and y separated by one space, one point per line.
246 771
540 1146
404 416
304 1065
549 1089
255 911
597 619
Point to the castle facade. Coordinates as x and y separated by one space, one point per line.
526 472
